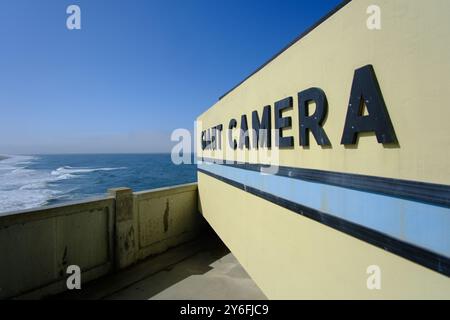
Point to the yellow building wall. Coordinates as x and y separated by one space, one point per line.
288 255
410 57
293 257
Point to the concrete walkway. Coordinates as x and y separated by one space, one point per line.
227 280
199 270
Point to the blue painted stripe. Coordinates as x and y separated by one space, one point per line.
424 225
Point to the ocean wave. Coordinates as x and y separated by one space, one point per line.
21 199
75 170
23 186
65 176
34 186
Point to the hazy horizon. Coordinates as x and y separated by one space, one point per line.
86 153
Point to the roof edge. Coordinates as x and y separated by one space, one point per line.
303 34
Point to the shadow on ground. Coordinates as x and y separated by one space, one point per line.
199 270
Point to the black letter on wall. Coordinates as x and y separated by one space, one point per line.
366 91
265 124
231 141
213 139
244 139
219 136
203 140
281 123
208 139
312 122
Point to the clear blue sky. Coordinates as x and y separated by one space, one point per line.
135 71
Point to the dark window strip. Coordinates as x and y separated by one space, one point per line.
435 194
406 250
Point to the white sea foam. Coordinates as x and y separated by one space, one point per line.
74 170
24 188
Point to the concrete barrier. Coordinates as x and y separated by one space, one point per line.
165 218
36 247
99 236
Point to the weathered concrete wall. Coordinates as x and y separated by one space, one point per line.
125 227
165 218
99 236
36 247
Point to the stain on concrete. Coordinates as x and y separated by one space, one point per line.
64 262
129 240
126 245
64 259
166 216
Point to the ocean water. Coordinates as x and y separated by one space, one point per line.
33 181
